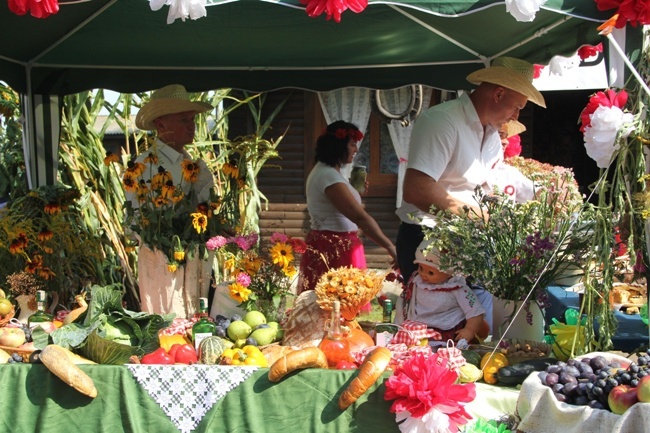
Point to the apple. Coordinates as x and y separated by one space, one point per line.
643 389
621 398
5 306
12 337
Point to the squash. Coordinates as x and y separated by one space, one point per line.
469 373
82 307
490 364
211 349
472 357
358 339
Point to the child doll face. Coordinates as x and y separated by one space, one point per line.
431 274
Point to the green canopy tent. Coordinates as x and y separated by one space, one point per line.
264 45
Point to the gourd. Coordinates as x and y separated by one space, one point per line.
74 314
490 364
358 339
469 373
211 349
472 357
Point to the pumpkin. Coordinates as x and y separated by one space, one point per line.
358 339
211 349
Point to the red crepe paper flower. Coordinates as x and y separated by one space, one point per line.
586 51
608 98
423 387
537 70
333 8
37 8
513 148
634 11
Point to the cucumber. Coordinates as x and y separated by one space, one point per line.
513 375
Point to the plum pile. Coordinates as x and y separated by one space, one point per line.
588 381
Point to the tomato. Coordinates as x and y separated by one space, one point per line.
346 365
183 354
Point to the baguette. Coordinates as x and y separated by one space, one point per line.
369 371
310 357
57 360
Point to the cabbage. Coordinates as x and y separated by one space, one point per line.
110 334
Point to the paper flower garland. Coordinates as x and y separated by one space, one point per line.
333 8
587 51
634 11
182 9
523 10
37 8
426 398
602 121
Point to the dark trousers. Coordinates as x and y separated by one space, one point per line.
409 236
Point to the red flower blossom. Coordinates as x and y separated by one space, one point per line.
298 245
608 98
634 11
587 51
333 8
537 70
423 383
37 8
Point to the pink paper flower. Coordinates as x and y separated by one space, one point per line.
634 11
333 8
587 51
513 148
423 388
37 8
279 237
608 98
244 279
216 242
537 70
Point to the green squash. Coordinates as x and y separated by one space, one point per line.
211 349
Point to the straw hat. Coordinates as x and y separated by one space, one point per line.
168 100
510 73
514 127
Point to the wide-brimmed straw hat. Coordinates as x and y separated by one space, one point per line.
511 73
514 127
170 99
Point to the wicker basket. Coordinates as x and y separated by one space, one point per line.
4 320
22 352
516 350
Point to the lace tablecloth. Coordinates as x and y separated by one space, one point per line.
187 392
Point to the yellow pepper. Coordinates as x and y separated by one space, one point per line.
247 355
490 364
167 341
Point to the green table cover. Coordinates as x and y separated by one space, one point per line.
34 400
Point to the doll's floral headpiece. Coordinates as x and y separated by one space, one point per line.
342 133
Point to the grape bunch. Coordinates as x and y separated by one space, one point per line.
588 381
15 359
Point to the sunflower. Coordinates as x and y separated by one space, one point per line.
45 235
160 178
130 182
238 292
252 265
281 254
135 168
179 254
52 208
230 170
46 273
190 170
199 222
168 190
151 159
111 157
290 271
172 267
160 201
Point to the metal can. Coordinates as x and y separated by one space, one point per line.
358 178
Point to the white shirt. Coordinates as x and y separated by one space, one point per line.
445 305
324 215
450 145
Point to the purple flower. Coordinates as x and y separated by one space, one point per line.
216 242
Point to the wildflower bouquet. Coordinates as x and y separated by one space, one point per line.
168 215
261 276
514 249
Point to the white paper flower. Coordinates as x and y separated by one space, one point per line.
559 64
433 421
524 10
600 136
182 9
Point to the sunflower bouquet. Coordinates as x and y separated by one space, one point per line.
353 287
168 215
261 273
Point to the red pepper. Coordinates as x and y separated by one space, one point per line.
158 356
346 365
183 354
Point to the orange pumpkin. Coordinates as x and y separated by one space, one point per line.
358 339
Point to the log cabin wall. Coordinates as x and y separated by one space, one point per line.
282 181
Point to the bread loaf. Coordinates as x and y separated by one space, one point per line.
310 357
373 367
305 325
57 360
273 352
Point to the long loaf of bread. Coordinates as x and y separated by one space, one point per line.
371 368
57 360
310 357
